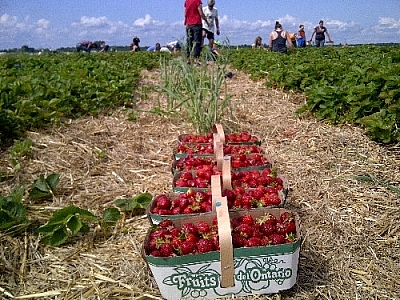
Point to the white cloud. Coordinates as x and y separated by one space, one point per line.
147 20
43 23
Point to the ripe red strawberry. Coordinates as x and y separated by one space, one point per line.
268 228
176 210
287 216
247 219
188 210
237 240
276 239
156 253
244 230
189 228
164 212
159 233
285 227
204 245
165 223
253 242
203 228
166 250
187 247
162 201
174 232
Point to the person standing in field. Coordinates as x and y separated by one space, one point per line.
258 43
193 16
301 37
320 32
135 44
211 14
279 39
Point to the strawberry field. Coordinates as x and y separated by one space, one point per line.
98 135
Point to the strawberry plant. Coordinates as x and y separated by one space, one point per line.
135 205
71 221
44 187
19 150
36 91
358 84
12 212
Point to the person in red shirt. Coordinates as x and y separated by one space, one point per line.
193 16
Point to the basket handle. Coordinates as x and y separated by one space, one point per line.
226 173
216 191
225 243
218 128
218 152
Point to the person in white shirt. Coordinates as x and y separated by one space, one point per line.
174 47
211 14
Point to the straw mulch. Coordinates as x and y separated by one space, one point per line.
351 245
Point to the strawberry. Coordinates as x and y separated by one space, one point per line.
176 211
238 240
285 227
204 245
165 223
287 216
202 228
189 228
159 233
244 230
253 242
166 250
268 228
276 239
156 253
162 201
247 219
187 247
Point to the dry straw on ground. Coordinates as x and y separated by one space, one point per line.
351 247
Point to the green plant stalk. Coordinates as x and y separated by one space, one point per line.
368 178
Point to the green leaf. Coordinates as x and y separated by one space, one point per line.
65 214
74 224
49 228
12 213
143 199
111 216
140 201
59 237
52 180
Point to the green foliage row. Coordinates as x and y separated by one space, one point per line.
38 90
359 85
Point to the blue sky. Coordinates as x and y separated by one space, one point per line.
54 23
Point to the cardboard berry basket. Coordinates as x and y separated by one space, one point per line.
225 137
183 137
228 272
156 218
184 150
226 179
178 165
